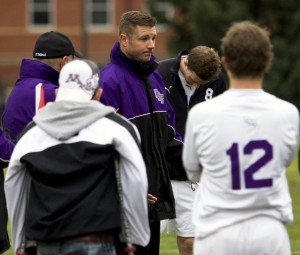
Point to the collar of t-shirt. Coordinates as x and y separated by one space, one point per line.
188 89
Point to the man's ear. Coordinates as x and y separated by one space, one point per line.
185 62
97 94
224 63
123 40
63 61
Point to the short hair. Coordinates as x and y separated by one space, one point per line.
93 65
129 20
247 49
204 62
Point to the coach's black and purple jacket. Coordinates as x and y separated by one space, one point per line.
137 92
34 88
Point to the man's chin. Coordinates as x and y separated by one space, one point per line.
147 56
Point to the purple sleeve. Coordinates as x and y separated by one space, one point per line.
6 148
50 92
110 94
110 97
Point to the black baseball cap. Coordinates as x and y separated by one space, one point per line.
54 45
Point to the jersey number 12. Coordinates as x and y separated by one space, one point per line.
248 173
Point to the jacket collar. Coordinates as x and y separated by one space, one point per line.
143 69
35 69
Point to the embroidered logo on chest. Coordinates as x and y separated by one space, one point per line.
159 96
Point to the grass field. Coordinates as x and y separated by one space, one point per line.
168 243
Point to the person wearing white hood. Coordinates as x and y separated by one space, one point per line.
61 187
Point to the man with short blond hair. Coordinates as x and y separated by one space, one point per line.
132 85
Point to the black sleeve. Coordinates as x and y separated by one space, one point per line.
173 156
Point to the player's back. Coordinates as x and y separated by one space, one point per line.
248 137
